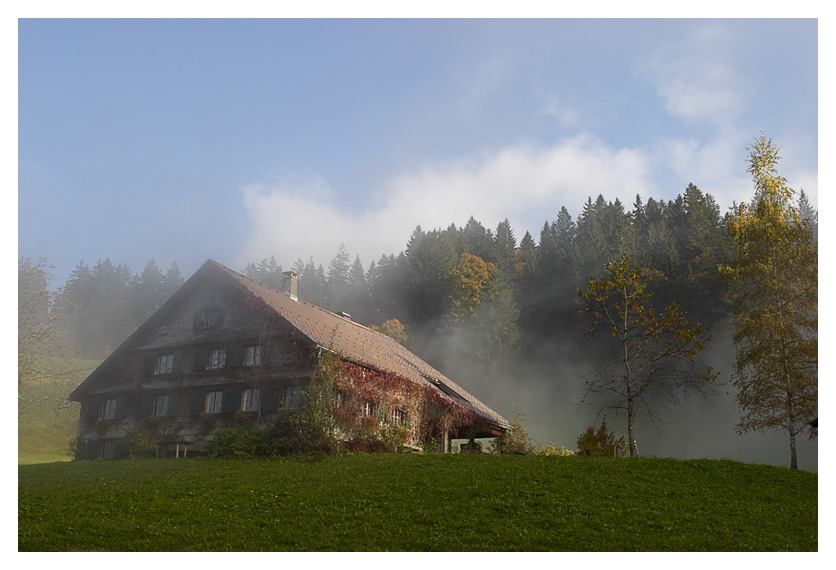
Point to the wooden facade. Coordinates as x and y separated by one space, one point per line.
224 345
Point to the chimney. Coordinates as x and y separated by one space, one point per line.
290 284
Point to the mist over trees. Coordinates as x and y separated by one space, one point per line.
654 354
479 303
100 306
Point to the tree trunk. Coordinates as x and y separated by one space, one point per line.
634 451
790 411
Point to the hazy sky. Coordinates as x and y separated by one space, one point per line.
183 140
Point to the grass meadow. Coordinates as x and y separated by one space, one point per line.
430 502
46 422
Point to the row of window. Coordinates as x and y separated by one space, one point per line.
203 320
213 402
395 416
248 400
216 359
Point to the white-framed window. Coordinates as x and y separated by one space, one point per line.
209 319
249 400
165 364
253 355
108 410
397 417
370 409
213 402
291 396
160 405
217 358
106 449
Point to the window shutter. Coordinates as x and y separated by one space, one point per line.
120 408
219 323
233 357
93 449
94 405
196 402
201 355
265 356
148 364
146 405
172 404
197 322
270 400
229 404
177 364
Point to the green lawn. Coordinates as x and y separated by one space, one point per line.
417 503
44 427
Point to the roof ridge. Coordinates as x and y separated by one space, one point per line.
356 348
300 301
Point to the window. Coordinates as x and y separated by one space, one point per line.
291 396
398 417
217 358
369 409
108 411
160 406
212 403
250 399
165 364
106 449
210 319
253 355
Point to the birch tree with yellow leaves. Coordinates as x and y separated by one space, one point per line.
772 285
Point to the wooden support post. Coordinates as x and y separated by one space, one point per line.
445 442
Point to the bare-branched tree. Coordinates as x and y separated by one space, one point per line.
654 354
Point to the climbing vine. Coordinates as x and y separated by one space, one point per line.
365 405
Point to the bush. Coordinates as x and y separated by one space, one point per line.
304 432
551 451
239 442
78 448
601 443
292 433
514 441
135 445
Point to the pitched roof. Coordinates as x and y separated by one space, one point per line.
329 331
362 345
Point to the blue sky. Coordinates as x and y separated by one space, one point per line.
183 140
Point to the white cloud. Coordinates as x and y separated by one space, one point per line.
695 76
526 184
719 167
716 166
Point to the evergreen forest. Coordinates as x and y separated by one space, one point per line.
499 313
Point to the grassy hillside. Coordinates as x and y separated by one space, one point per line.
417 503
44 429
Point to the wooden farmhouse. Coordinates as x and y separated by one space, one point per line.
224 348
